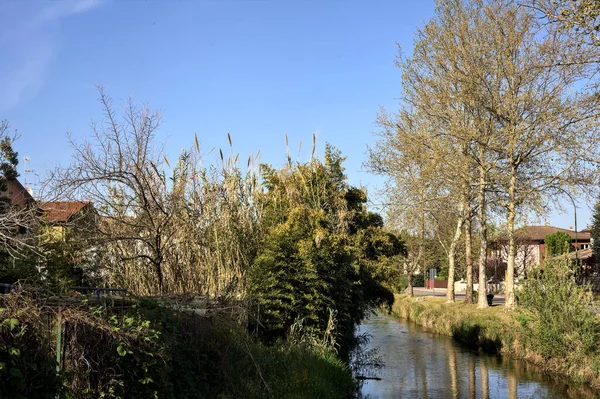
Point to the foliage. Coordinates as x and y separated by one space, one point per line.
27 361
556 313
558 243
419 280
401 283
151 351
322 252
15 269
70 263
382 254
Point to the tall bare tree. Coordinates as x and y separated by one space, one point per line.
420 177
441 82
181 229
547 127
484 78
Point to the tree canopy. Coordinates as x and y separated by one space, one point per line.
558 243
325 259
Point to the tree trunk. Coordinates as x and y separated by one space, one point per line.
482 290
468 257
409 289
509 303
452 261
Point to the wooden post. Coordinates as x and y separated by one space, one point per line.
58 342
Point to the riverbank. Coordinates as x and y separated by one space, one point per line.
493 331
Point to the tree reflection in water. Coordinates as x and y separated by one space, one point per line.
419 364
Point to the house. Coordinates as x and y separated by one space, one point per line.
63 217
531 248
21 219
19 196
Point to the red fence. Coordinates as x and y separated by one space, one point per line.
429 284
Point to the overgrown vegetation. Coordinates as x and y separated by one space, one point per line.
296 243
556 315
148 350
325 258
496 119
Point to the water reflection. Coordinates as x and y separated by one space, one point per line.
419 364
485 382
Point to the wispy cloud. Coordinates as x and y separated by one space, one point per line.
29 42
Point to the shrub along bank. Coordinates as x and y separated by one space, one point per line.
523 334
149 351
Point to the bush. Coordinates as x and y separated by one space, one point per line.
322 251
556 314
401 283
27 362
557 244
419 280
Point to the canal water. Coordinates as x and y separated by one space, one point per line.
420 364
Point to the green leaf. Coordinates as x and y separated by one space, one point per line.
121 349
146 381
14 351
12 323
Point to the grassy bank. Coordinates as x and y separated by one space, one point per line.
495 331
149 351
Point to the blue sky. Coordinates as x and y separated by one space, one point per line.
257 69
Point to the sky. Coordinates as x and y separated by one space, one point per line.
256 69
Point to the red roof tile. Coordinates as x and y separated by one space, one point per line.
19 196
61 211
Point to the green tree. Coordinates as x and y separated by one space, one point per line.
558 243
319 266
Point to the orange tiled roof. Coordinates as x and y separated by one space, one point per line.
61 211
